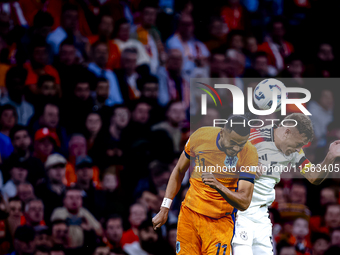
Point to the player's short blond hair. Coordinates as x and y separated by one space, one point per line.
304 124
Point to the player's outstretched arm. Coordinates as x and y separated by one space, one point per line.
319 174
172 189
240 199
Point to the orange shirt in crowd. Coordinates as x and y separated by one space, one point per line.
129 237
32 76
114 53
71 176
24 222
54 7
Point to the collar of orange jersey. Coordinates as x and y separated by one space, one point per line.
217 144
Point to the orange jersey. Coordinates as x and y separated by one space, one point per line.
203 147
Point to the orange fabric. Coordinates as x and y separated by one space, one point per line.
142 34
32 76
3 70
31 7
198 234
129 237
71 177
114 53
202 146
24 222
54 7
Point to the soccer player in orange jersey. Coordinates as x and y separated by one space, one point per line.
222 181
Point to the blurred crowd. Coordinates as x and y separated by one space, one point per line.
94 114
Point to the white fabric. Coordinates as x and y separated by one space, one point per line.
134 249
142 57
256 235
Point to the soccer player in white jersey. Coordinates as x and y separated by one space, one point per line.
277 147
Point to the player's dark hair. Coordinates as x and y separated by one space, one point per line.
239 124
145 224
304 124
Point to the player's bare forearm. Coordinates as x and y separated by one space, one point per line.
320 172
177 176
172 189
240 199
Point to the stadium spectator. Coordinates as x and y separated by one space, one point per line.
328 195
137 215
43 237
127 76
217 62
114 233
217 34
123 41
194 52
329 221
299 237
38 65
45 143
15 84
149 242
172 85
69 26
149 87
101 96
60 233
335 237
80 220
322 107
275 45
50 118
18 175
24 240
105 34
100 55
26 192
8 118
261 67
34 213
147 33
53 187
234 15
283 248
320 243
22 142
235 40
298 194
47 91
15 212
175 116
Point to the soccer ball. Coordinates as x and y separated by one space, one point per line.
263 94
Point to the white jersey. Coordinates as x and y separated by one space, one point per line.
273 162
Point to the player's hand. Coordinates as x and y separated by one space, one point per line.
259 171
210 180
334 149
160 219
